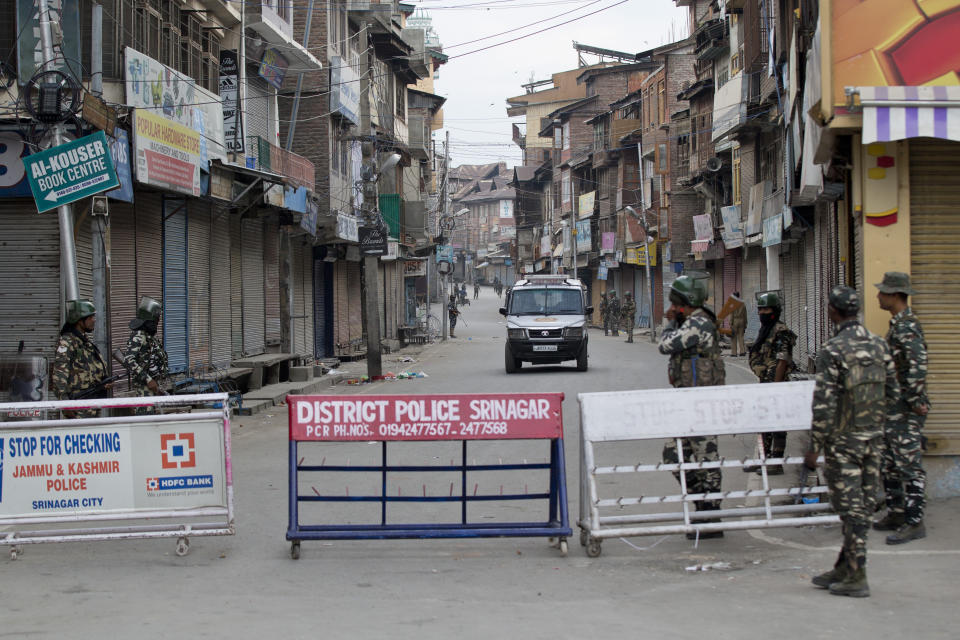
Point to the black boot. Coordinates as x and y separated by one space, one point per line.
837 574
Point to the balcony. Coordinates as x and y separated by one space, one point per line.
265 19
622 127
729 107
712 38
297 169
418 132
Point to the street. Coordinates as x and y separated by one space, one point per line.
247 586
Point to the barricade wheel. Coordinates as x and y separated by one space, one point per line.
563 547
15 552
583 537
295 550
593 547
183 546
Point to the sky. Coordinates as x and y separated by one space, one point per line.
477 84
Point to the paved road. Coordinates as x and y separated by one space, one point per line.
246 586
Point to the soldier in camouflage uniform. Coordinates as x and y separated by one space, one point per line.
904 479
771 359
690 339
628 312
144 356
612 320
604 309
78 366
855 388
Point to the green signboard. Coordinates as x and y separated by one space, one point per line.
71 171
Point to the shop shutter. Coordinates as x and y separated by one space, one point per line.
29 278
306 268
236 287
935 265
341 308
123 278
257 117
322 305
731 273
754 265
253 282
84 248
175 298
355 308
271 265
199 283
302 298
220 281
149 208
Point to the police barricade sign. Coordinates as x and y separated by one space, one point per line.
610 422
394 419
157 467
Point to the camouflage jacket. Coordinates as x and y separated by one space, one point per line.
909 351
856 386
694 350
739 317
145 359
77 366
613 308
778 346
628 310
603 307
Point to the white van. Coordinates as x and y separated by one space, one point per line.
546 322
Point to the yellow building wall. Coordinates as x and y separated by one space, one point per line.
885 193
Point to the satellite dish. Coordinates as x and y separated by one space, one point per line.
714 164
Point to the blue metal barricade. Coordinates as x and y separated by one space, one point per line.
457 417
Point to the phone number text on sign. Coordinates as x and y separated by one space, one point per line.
429 417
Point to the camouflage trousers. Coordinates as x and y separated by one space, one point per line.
904 479
610 325
627 325
852 469
697 449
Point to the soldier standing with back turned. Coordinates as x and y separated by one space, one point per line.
144 356
904 479
612 320
628 311
690 339
856 386
771 359
78 368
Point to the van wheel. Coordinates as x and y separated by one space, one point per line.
582 359
510 363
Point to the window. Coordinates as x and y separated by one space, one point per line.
736 63
661 103
662 163
566 135
722 77
401 98
565 184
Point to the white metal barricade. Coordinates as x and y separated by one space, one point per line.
663 414
150 475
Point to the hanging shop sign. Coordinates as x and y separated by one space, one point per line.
120 152
344 90
373 241
167 153
413 268
163 91
586 203
772 230
584 239
444 253
70 172
230 94
308 221
347 227
273 68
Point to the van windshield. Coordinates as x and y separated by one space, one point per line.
536 302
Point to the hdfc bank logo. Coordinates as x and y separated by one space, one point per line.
153 484
177 450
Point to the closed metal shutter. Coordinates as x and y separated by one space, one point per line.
341 309
257 114
355 308
253 282
150 207
220 272
199 283
322 306
175 299
271 264
302 267
935 265
731 273
123 278
754 267
236 288
29 278
84 247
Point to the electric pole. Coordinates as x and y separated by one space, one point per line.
371 264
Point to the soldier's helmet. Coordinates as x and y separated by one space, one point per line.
627 294
691 292
769 299
149 309
845 300
77 310
612 292
895 282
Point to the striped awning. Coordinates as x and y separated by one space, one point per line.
898 113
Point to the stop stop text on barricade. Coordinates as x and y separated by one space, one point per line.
454 417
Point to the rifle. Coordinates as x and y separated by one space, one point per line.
118 356
93 390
